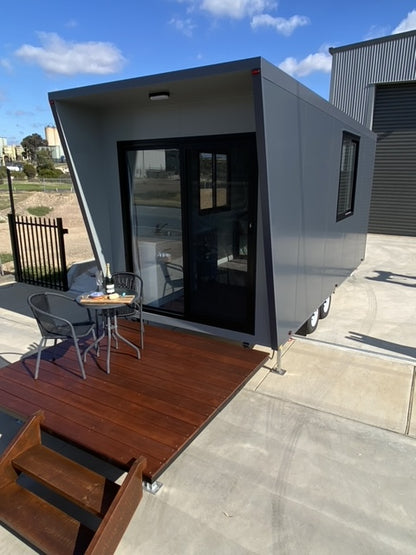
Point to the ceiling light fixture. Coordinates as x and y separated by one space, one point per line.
163 95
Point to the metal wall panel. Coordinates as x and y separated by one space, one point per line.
393 199
311 252
355 68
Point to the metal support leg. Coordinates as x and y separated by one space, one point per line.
277 368
152 487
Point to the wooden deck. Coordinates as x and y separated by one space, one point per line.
152 407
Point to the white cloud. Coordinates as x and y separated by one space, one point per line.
236 9
319 62
281 25
57 56
6 65
408 23
185 26
71 23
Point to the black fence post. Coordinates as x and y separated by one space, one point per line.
15 248
10 184
62 255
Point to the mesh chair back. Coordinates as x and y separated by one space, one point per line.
45 306
128 282
60 317
131 283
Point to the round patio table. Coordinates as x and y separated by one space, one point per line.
108 308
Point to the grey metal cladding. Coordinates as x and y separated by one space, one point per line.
358 67
393 199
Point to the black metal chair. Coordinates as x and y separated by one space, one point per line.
131 283
60 317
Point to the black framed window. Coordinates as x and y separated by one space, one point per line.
213 181
347 176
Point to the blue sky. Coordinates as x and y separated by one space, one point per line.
51 46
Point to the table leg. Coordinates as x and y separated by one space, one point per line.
110 330
119 336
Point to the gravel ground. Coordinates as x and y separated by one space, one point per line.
63 205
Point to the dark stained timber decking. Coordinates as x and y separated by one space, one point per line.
152 407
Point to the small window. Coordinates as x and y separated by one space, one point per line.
213 181
347 176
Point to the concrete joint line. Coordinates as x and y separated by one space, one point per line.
410 405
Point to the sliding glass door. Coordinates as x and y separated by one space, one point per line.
190 216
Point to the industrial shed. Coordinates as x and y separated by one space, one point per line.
240 196
375 82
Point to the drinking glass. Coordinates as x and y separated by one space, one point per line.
99 279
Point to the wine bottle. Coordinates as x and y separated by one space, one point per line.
108 281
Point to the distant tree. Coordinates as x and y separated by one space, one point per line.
3 172
49 173
44 160
29 170
31 145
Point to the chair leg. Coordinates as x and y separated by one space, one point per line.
81 365
42 344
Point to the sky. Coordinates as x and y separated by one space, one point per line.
49 46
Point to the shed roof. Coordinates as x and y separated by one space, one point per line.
380 40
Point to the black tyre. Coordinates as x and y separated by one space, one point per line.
312 323
324 308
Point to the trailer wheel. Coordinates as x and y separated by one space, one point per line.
324 308
312 323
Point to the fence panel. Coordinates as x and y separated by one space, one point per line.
39 251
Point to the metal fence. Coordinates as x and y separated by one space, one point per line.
39 251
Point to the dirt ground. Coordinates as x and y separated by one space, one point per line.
63 205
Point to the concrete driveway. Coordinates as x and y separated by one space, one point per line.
319 460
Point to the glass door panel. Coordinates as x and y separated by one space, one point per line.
192 219
222 204
156 217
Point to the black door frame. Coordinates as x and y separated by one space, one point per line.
186 145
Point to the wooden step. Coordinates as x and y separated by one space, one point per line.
84 487
42 524
45 526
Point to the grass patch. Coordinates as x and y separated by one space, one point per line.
5 257
27 187
5 200
39 211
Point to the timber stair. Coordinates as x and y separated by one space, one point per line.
48 527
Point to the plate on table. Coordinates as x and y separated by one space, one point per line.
96 294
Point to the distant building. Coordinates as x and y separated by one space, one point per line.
375 83
54 143
3 143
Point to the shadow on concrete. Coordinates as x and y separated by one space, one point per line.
391 277
382 344
13 297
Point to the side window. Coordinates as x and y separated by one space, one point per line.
213 181
347 176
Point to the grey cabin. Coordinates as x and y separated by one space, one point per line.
240 196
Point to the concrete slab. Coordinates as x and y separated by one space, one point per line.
268 476
19 333
374 309
344 382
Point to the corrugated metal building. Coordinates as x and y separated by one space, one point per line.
375 83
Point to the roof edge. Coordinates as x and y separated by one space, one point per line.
160 78
388 38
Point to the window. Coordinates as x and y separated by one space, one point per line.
347 176
213 181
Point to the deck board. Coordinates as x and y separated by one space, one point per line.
152 407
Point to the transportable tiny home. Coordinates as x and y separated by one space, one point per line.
240 196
